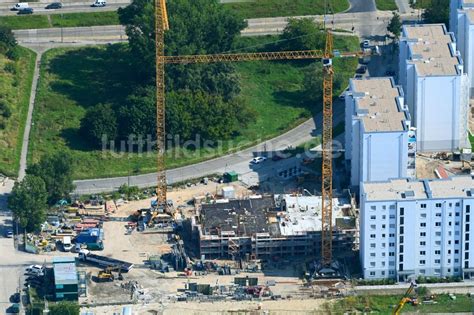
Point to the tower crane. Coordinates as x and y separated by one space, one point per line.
161 24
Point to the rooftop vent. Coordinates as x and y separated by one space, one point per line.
408 194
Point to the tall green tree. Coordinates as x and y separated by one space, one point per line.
302 34
395 25
64 308
100 121
196 27
56 172
138 114
28 202
437 12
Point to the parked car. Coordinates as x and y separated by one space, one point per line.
362 69
358 76
258 160
54 5
9 234
366 44
15 298
14 309
36 270
19 6
99 3
26 11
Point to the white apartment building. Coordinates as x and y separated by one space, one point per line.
436 88
379 142
461 23
417 228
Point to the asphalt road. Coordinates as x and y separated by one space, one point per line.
362 6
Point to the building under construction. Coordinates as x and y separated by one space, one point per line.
270 227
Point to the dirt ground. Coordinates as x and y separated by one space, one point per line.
282 307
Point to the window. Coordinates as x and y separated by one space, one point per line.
456 232
437 261
456 261
402 211
467 237
391 272
401 248
456 223
422 253
383 226
392 207
422 271
468 209
391 244
372 273
373 207
423 224
391 254
383 263
372 254
384 207
467 227
438 205
466 264
391 235
449 251
458 214
438 214
372 235
423 215
402 220
450 214
456 251
468 217
401 239
383 245
372 217
392 226
457 204
437 243
400 267
437 271
391 263
372 245
372 264
456 242
450 223
383 254
456 269
449 261
372 226
383 235
438 224
450 205
384 217
422 234
466 255
401 258
402 230
466 246
438 233
423 206
422 262
422 243
392 216
437 252
383 273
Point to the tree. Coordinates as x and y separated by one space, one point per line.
313 82
437 12
395 25
196 27
56 172
28 202
7 38
100 121
302 34
138 115
64 308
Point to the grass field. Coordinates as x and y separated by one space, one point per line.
273 8
15 87
74 79
383 304
60 20
386 5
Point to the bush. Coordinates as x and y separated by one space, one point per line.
422 279
13 54
3 124
10 67
5 110
375 282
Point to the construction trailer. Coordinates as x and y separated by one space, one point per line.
270 227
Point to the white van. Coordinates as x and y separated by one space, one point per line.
20 6
67 245
99 3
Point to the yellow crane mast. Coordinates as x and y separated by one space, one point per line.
161 24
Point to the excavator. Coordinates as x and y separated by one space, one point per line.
107 274
405 299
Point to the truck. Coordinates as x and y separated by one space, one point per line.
103 261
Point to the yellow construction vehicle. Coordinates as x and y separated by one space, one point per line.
106 274
406 298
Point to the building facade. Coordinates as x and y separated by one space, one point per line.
66 281
417 228
431 72
379 142
461 23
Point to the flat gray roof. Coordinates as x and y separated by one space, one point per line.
404 189
430 44
379 102
65 273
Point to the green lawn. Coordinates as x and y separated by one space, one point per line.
60 20
85 19
15 87
74 79
421 4
383 304
386 5
20 22
273 8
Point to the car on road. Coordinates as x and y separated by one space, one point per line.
20 6
14 309
9 234
99 3
54 5
258 160
25 11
